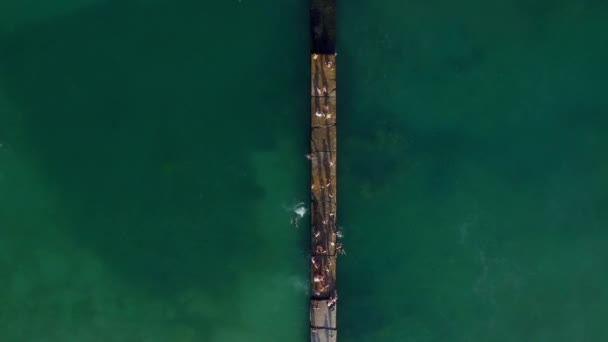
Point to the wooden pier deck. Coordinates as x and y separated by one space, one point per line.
323 146
324 242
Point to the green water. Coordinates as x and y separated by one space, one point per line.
150 151
474 171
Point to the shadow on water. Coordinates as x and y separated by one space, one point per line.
133 113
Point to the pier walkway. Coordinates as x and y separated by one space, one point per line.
324 245
324 235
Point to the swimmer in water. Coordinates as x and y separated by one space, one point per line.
340 248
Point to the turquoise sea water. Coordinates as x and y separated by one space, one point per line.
151 150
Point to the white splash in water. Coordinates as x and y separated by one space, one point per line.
340 232
300 210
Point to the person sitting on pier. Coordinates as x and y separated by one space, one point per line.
320 249
318 278
333 298
322 91
314 263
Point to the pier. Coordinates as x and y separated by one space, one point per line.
323 146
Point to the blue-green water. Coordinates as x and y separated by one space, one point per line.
475 206
150 151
